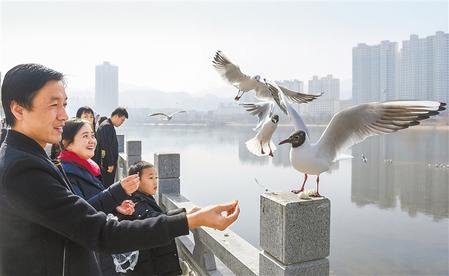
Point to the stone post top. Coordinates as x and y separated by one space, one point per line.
166 153
285 198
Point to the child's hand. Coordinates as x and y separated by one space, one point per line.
193 210
126 208
130 183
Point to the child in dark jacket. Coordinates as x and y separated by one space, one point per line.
161 260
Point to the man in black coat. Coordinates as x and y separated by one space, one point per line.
45 229
106 153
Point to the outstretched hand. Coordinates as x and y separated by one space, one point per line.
217 216
126 208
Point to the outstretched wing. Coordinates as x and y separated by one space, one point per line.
180 111
262 110
354 124
159 114
294 117
231 73
276 94
298 97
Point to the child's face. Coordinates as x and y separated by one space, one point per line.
148 181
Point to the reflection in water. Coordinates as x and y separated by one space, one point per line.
397 168
391 220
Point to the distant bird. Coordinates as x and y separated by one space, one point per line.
364 159
351 126
165 116
244 83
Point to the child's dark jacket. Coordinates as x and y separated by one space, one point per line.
160 260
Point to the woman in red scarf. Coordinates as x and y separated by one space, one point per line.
78 144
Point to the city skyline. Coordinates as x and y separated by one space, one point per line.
418 69
169 46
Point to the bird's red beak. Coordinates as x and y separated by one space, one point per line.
284 141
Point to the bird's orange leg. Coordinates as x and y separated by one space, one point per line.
302 187
317 194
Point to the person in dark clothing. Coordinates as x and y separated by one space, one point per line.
161 260
45 228
3 135
106 154
101 119
78 143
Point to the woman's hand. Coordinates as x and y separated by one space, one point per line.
130 183
126 208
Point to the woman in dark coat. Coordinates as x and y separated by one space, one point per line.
78 143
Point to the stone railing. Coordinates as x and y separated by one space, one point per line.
294 233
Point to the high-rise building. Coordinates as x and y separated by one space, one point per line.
106 88
328 104
295 85
424 68
374 72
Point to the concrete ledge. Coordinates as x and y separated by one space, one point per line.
294 230
134 148
133 159
168 186
269 266
167 165
235 252
121 143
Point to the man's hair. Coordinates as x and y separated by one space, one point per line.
21 84
138 167
120 111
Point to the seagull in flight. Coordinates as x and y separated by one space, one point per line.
349 127
262 139
244 83
165 116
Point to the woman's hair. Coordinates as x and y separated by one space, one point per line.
138 167
70 130
86 109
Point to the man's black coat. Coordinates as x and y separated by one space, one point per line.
47 230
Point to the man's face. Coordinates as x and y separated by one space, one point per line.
118 120
43 122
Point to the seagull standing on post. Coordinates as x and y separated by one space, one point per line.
348 127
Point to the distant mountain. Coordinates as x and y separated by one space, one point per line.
151 98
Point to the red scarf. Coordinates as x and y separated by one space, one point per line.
89 164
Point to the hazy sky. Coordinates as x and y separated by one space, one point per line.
169 45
